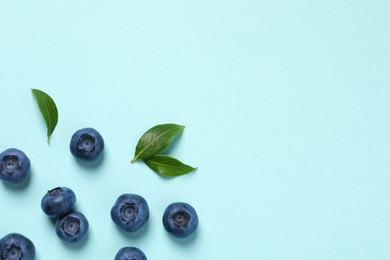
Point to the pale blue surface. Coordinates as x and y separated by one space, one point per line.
286 105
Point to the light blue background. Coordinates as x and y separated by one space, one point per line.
286 107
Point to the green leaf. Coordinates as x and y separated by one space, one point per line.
48 109
155 140
168 166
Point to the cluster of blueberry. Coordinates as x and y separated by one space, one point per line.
129 212
71 225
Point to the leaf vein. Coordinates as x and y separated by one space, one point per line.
146 147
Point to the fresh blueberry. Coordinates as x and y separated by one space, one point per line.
72 228
130 253
87 144
180 219
15 166
58 202
130 212
15 246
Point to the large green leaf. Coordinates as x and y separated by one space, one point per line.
168 166
48 109
155 140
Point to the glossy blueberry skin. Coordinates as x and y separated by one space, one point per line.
58 202
130 212
15 246
180 219
14 166
72 227
86 144
130 252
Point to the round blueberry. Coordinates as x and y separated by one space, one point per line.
130 252
180 219
15 246
14 166
86 144
130 212
58 202
72 228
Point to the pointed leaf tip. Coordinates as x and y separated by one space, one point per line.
168 166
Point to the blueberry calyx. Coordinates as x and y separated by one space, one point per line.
12 252
10 164
129 211
71 226
54 192
86 143
181 218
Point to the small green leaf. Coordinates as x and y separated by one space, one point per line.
48 109
155 140
168 166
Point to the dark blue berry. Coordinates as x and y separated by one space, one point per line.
72 228
58 202
14 166
180 219
130 253
130 212
87 144
15 246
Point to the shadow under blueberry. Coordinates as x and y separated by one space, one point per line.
21 185
185 242
78 244
52 221
91 165
134 235
37 255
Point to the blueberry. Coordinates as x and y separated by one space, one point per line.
130 253
130 212
180 219
58 202
15 246
72 228
15 166
87 144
